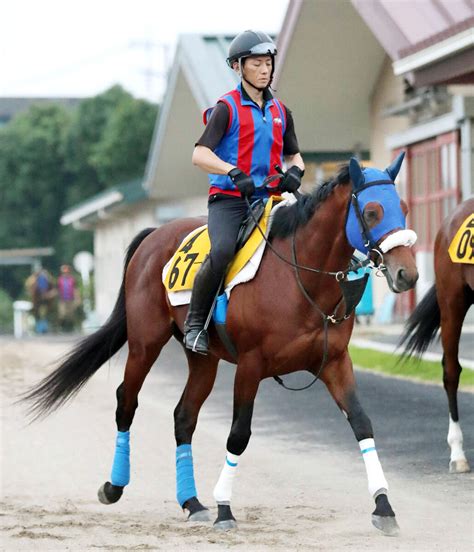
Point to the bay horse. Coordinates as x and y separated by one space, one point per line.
445 306
284 320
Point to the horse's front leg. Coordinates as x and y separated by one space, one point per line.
246 384
202 374
339 379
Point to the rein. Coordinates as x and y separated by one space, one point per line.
339 276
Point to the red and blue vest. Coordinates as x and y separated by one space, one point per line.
66 286
253 141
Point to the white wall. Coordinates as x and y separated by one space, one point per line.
111 239
113 236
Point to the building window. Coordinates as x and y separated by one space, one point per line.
433 185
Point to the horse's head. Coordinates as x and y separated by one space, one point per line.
376 223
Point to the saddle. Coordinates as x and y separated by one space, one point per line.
250 223
178 274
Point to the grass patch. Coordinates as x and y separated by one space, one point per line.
423 370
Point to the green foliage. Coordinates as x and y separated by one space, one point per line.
122 153
32 176
390 364
52 158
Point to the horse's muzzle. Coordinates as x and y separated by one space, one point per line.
405 279
400 269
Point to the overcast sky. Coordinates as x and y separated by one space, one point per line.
73 49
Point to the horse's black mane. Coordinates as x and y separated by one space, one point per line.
287 219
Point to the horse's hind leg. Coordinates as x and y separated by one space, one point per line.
339 379
453 308
202 374
149 329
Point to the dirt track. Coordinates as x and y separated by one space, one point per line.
51 472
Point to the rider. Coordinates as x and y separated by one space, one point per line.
247 133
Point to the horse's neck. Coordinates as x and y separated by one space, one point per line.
322 242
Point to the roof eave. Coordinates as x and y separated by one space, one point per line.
91 207
444 49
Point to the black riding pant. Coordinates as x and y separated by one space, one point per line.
226 214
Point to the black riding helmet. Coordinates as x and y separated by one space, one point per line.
251 43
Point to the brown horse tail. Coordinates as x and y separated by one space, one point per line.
422 325
87 356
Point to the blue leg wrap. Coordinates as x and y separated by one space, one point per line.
121 468
185 485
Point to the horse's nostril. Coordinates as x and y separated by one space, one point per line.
404 277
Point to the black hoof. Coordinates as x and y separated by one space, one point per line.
197 512
225 520
108 493
383 517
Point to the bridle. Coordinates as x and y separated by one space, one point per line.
369 243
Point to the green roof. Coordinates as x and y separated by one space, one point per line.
120 195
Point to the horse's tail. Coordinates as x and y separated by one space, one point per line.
422 325
87 356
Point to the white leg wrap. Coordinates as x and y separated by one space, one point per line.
375 476
223 488
455 441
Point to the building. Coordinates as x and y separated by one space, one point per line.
387 75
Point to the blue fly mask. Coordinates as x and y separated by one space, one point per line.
374 185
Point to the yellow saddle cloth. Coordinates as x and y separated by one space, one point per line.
180 271
461 249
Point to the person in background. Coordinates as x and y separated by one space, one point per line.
67 298
41 289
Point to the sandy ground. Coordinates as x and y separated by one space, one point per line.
284 499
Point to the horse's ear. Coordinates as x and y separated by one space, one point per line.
394 168
355 172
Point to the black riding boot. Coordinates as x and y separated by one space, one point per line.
204 290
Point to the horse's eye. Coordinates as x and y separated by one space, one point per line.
373 214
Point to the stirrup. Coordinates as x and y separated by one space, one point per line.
197 341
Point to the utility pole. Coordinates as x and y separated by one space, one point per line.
149 72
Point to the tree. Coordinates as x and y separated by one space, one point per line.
122 152
52 158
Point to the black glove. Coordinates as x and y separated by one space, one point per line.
243 181
291 180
